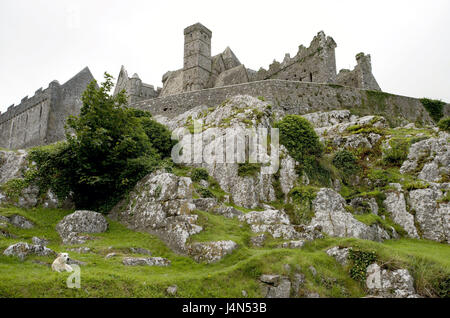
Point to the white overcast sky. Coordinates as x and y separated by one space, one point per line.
43 40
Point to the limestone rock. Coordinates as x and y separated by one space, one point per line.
140 250
297 282
433 154
432 216
211 252
340 254
258 241
205 204
386 283
293 244
271 221
21 222
396 205
22 250
227 211
161 204
330 214
39 241
11 164
363 205
276 286
327 119
149 261
81 221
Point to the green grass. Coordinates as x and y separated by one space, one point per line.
428 261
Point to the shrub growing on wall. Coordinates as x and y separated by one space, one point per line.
434 108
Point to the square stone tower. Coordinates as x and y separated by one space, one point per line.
197 57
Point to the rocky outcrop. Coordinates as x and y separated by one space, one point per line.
331 215
22 250
389 284
39 241
429 159
227 121
145 261
78 222
12 164
275 286
20 222
395 204
273 222
432 216
161 204
340 254
211 252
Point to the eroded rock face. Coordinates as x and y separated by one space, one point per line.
229 120
161 204
145 261
80 222
389 284
396 205
211 252
275 286
340 254
430 158
330 214
22 250
271 221
11 164
21 222
433 217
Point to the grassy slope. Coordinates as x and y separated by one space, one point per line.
109 278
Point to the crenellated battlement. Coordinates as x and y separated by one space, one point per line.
40 119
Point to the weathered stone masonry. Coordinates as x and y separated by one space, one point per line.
40 119
298 98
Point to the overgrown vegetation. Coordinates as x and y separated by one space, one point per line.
444 124
434 108
109 148
199 174
360 261
247 169
345 161
301 211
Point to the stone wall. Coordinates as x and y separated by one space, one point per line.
317 63
299 98
40 119
361 76
135 89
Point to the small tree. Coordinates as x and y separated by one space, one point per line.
299 138
109 148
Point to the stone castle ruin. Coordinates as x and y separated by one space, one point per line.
301 84
40 119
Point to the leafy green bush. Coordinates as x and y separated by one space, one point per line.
13 188
360 261
248 169
434 108
302 143
345 161
205 192
444 124
301 211
109 148
199 174
398 152
299 138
